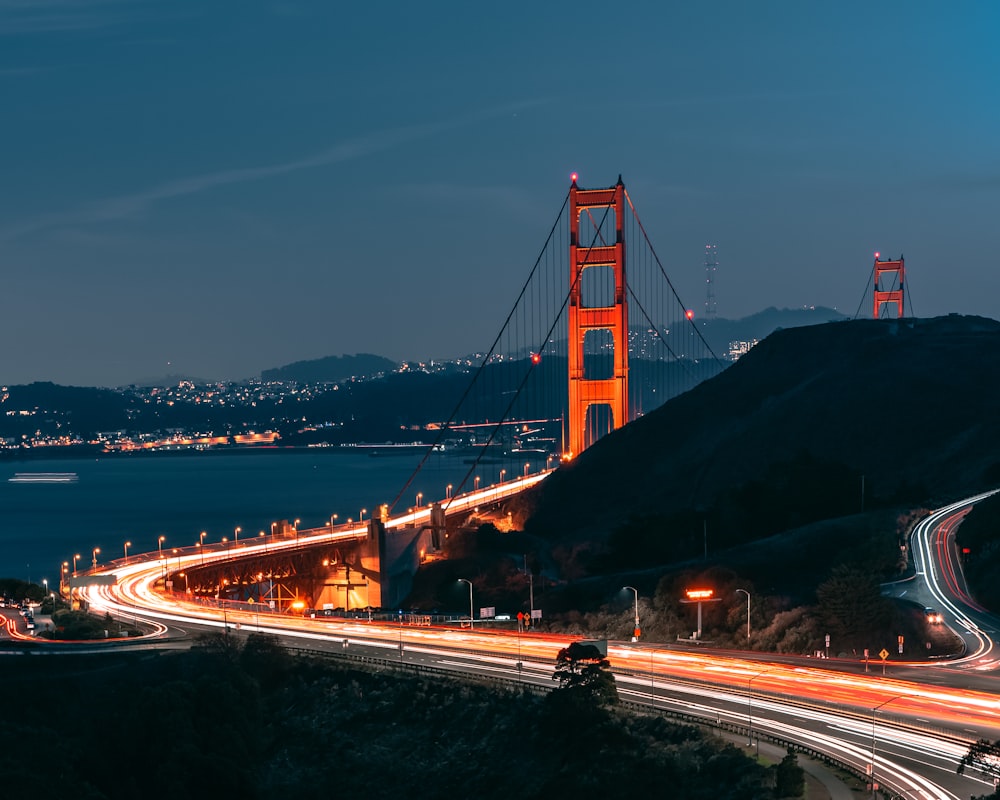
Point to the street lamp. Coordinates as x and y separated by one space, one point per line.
236 533
45 583
159 545
502 473
526 465
750 706
883 703
475 483
297 529
748 613
447 492
333 522
420 496
635 633
96 551
127 545
75 559
472 615
361 516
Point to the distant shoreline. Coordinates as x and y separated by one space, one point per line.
97 452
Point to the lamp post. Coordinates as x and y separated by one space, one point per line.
635 633
75 559
62 576
748 614
333 522
96 551
502 473
263 538
297 529
420 496
127 545
447 492
472 615
750 706
475 483
45 583
361 516
526 465
236 534
874 710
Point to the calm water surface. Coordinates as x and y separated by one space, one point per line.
141 498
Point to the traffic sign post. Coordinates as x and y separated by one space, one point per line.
883 654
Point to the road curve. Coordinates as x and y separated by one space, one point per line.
941 585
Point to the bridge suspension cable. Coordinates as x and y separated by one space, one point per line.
512 416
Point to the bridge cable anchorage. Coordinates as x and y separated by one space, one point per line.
486 360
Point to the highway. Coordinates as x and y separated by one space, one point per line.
941 585
912 726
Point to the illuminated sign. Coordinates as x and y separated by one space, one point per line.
699 594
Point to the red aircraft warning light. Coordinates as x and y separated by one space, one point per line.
536 358
689 314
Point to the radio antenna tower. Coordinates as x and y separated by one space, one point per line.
711 266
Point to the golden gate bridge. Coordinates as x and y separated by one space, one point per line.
596 337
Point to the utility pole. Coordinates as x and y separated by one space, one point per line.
531 587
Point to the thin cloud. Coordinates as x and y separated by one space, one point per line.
19 17
129 205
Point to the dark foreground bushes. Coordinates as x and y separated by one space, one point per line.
243 718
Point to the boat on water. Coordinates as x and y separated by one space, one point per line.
44 477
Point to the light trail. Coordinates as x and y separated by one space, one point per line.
932 560
928 730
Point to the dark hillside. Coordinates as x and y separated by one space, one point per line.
909 404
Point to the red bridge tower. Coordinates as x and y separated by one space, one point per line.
888 296
586 392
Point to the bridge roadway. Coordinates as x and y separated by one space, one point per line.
911 726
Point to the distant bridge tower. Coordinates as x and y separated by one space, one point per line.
587 393
711 267
892 296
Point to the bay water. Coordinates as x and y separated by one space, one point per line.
140 498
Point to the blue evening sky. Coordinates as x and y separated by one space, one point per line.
215 188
